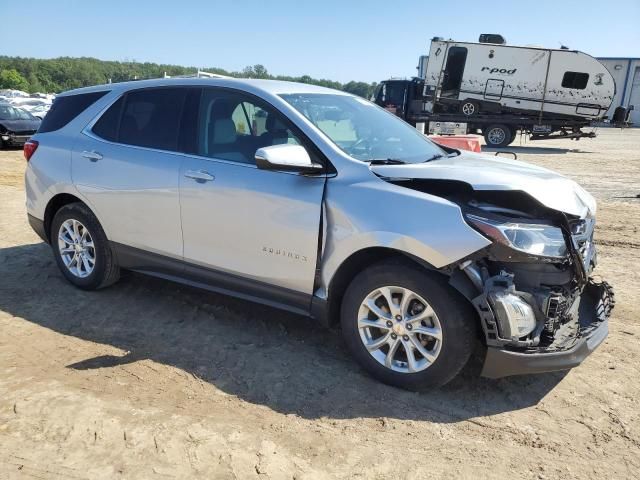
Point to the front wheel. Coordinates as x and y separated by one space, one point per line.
406 326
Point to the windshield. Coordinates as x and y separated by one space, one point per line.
363 130
7 112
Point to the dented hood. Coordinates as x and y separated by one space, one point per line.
483 172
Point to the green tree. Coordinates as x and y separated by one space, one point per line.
64 73
12 79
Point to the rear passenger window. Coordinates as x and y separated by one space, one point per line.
65 109
151 118
575 80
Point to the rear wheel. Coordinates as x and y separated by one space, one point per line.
406 326
81 248
498 135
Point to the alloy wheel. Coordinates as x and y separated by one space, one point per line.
399 329
76 248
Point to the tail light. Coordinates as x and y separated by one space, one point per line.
30 148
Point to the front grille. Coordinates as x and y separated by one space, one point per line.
24 133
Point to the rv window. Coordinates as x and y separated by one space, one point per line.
575 80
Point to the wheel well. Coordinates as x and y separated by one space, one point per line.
352 266
55 204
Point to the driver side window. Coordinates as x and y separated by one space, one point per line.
232 127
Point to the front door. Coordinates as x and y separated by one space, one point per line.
251 229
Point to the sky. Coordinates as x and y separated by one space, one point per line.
336 39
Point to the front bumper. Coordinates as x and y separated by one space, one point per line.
595 306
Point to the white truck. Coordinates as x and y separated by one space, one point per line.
499 89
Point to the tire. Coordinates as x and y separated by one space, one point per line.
454 318
469 108
104 271
497 135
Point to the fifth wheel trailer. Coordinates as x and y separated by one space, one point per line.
499 89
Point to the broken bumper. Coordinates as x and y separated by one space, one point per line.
595 306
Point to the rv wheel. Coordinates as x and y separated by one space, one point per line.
469 108
498 136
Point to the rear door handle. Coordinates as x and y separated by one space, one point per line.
199 175
92 155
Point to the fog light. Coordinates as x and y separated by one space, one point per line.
515 316
5 137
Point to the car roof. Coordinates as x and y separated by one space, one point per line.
274 87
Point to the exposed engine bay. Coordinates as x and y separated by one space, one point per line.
532 287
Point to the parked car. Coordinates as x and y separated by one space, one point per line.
16 125
40 111
10 93
29 103
322 203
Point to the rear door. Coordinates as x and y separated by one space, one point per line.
127 166
252 230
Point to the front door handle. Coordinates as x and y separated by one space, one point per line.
199 175
92 155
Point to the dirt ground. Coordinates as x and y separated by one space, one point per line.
149 379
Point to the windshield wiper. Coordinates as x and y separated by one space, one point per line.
386 161
440 155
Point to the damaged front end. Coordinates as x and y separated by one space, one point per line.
539 307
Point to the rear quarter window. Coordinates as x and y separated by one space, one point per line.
65 109
107 126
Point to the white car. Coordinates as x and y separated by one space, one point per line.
39 111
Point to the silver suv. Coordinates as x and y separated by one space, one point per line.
324 204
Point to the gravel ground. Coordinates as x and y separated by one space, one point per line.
149 379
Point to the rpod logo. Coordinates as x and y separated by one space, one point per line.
501 71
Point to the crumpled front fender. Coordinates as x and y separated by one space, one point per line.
376 213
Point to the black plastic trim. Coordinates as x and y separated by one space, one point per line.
596 303
187 273
38 227
503 363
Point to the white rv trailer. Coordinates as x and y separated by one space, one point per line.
473 78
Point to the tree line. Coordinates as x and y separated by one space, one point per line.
64 73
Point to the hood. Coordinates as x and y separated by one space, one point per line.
21 125
492 173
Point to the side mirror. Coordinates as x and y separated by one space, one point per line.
287 158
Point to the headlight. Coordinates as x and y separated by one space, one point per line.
535 239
